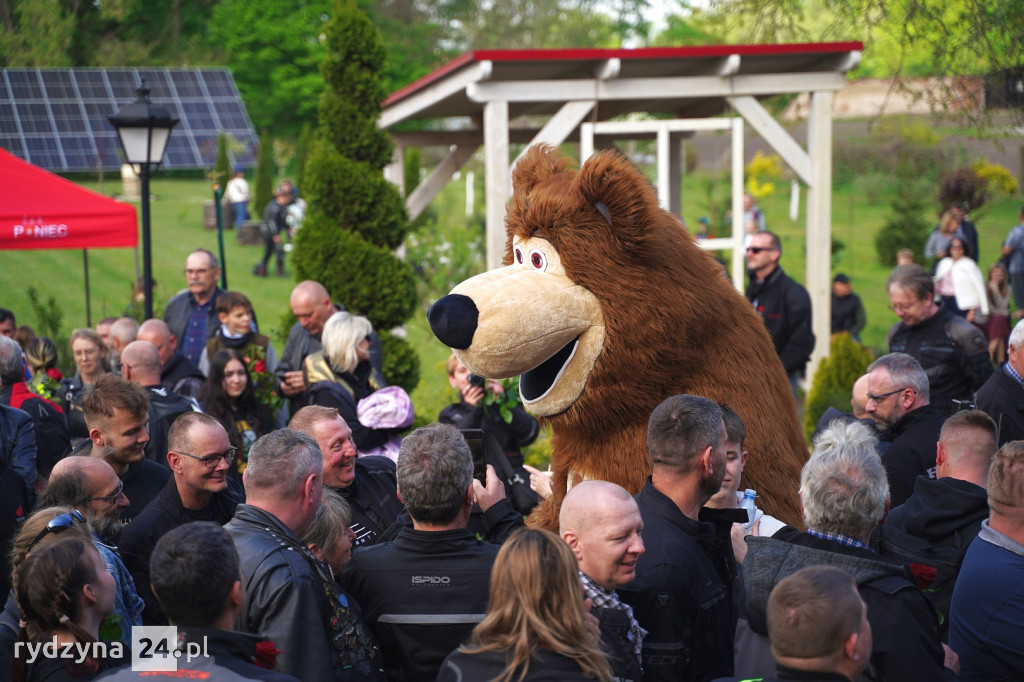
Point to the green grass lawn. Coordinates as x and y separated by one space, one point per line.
177 229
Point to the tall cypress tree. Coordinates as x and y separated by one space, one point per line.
264 190
356 218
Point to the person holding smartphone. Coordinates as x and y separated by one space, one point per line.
501 438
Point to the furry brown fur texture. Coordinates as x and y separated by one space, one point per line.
672 323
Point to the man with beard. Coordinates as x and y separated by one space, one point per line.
682 594
117 415
199 457
90 485
898 401
369 484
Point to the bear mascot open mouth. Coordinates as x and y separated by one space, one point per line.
605 307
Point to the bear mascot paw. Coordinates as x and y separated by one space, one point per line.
605 307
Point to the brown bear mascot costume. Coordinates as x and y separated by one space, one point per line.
605 308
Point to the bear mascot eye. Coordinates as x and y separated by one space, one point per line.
519 255
538 260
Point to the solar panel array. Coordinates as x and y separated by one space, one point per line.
57 118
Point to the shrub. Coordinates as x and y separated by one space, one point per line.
833 382
222 169
263 192
963 187
998 179
905 228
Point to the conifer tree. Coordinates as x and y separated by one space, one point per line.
264 190
356 218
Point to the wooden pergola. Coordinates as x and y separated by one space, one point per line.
574 95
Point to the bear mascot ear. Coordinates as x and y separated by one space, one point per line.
622 196
541 163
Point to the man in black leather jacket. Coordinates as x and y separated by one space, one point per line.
289 594
423 593
368 484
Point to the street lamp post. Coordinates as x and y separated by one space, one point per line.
144 128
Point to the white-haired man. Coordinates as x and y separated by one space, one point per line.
844 492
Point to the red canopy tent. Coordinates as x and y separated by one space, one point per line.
41 210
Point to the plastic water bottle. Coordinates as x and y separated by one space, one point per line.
748 503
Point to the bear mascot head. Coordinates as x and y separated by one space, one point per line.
606 307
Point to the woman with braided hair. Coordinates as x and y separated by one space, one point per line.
64 592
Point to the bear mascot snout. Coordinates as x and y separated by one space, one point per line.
605 307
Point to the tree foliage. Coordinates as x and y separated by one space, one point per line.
907 39
274 50
356 217
108 33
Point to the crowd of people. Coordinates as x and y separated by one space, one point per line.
312 540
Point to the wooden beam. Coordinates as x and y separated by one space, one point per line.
684 87
497 178
560 126
819 225
425 192
411 106
774 134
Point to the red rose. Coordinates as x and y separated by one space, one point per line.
924 575
259 367
266 654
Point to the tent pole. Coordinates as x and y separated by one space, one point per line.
88 306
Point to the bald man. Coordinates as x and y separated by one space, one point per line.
312 305
601 523
90 485
178 374
140 364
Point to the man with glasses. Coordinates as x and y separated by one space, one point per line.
91 487
898 401
199 456
783 304
951 350
192 314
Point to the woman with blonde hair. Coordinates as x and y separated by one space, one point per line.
341 376
536 626
90 354
937 245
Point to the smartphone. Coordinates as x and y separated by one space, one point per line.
475 440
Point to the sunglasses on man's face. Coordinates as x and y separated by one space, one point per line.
57 525
758 249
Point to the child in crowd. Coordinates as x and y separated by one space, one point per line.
235 314
729 496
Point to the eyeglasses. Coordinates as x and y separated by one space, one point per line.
758 249
900 308
112 498
198 271
211 461
58 524
879 398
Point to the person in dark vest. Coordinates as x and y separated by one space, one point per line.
178 374
140 364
